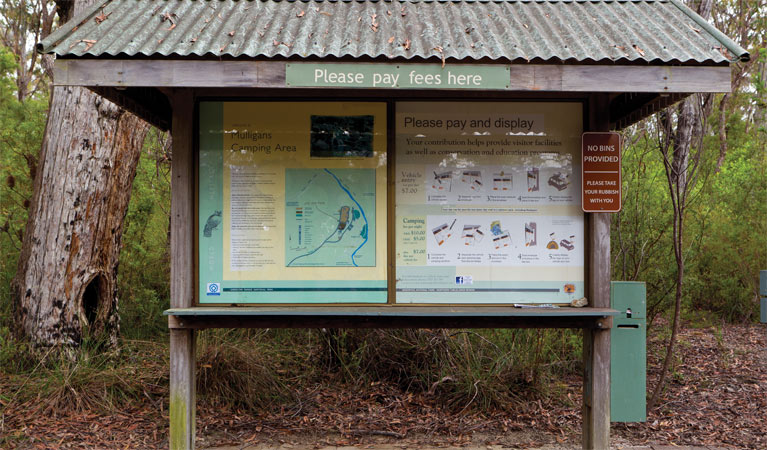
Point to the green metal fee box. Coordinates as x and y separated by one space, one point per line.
628 350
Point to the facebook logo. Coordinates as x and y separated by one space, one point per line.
466 279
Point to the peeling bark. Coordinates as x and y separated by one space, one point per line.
66 282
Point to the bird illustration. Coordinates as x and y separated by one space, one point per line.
213 221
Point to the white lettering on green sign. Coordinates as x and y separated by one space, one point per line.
397 76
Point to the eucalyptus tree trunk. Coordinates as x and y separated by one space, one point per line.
65 286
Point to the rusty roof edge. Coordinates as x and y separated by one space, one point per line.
463 1
740 53
382 58
53 39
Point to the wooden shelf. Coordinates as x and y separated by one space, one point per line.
389 316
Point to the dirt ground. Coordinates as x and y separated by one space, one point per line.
716 398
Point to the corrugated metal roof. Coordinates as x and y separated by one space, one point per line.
653 31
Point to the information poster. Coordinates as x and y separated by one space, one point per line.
292 202
488 202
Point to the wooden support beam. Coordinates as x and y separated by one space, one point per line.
271 74
182 341
596 342
182 389
147 103
388 317
630 107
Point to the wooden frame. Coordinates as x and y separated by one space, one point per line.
384 316
185 319
271 74
182 341
391 101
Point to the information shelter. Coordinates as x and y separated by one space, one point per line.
390 163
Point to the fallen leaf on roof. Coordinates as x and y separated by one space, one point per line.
101 17
193 40
406 44
388 13
697 30
301 14
373 23
441 53
391 39
88 43
169 16
402 11
622 48
639 50
724 52
231 33
326 13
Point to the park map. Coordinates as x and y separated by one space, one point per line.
329 217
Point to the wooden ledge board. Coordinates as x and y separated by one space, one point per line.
271 74
389 317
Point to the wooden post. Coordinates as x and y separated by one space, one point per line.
182 341
596 343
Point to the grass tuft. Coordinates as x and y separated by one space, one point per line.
235 368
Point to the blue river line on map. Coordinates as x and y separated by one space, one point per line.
327 240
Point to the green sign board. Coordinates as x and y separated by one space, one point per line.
397 76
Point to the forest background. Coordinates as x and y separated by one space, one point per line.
725 247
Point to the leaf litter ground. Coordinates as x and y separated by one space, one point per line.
717 396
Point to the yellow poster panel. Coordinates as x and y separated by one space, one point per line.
488 202
303 202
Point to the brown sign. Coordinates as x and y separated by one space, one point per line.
601 155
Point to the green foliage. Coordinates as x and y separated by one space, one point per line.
465 369
63 380
734 249
726 219
250 369
15 357
143 282
21 132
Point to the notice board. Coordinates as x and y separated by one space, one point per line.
488 202
290 203
453 203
